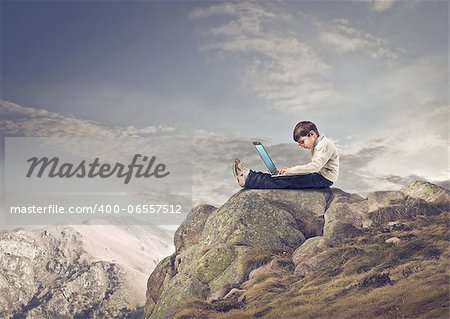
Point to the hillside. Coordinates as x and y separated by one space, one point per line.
309 254
78 271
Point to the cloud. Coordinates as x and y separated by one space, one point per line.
30 122
382 5
411 147
341 36
397 146
411 139
74 140
251 11
276 65
403 86
362 171
213 181
389 163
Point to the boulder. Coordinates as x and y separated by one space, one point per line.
383 199
215 247
430 193
307 207
249 219
305 257
404 209
346 216
310 248
212 245
158 282
201 273
182 287
393 240
189 231
260 270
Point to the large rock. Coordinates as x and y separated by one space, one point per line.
201 273
346 215
305 257
431 193
418 198
310 248
213 245
216 246
249 219
382 199
349 214
158 282
307 207
190 230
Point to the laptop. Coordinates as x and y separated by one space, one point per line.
267 160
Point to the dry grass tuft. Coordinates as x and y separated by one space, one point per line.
411 208
260 255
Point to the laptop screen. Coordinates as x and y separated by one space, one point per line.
265 157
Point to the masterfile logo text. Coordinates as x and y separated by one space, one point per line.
148 177
147 169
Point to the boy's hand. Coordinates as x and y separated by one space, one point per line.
283 171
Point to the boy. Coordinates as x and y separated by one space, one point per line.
321 172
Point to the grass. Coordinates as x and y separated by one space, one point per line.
360 278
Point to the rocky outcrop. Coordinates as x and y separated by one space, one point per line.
346 215
430 193
215 247
305 256
190 230
389 206
208 266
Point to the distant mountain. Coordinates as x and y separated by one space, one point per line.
309 254
79 271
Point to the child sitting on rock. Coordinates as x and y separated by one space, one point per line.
321 172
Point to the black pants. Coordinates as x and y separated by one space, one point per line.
259 180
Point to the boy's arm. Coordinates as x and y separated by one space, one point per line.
321 155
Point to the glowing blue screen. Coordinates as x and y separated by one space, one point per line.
262 151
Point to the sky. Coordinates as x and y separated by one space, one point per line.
373 76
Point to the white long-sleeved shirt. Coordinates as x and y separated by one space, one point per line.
324 160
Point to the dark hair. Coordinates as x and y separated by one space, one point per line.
303 128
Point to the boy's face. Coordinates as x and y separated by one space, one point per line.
307 142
